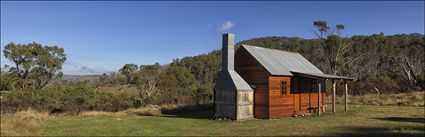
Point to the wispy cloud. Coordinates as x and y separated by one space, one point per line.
88 69
227 25
73 68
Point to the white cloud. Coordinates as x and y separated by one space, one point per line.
227 25
88 69
72 68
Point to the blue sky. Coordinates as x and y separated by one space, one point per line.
102 36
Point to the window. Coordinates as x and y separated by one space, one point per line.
283 87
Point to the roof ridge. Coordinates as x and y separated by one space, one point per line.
271 49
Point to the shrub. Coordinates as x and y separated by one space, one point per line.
14 101
49 98
77 97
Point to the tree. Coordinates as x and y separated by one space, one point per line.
201 95
408 67
144 78
177 84
205 68
34 65
6 82
146 83
130 72
334 46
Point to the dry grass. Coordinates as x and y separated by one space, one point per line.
152 110
24 123
145 111
99 113
403 99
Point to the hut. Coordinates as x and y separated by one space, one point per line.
264 83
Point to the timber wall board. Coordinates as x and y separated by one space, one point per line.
281 104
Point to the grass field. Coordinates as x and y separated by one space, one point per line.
360 120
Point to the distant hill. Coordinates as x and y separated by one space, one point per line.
74 78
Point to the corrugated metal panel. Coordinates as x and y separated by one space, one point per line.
326 76
230 79
278 62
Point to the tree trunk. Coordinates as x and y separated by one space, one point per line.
333 95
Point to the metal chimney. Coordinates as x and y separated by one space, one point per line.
228 56
233 97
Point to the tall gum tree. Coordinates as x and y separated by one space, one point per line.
35 65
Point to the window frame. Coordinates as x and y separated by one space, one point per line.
284 89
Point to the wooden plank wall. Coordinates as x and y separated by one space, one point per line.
304 101
281 105
254 74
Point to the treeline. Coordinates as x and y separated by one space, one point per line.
378 63
189 80
185 81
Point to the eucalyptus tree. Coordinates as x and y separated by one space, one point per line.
335 47
143 78
34 65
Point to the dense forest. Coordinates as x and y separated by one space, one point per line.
378 63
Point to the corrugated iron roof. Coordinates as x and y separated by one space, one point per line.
326 76
278 62
230 79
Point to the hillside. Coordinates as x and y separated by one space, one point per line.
377 62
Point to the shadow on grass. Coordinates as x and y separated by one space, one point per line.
403 119
390 130
383 131
190 111
194 114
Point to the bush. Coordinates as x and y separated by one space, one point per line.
14 101
71 98
49 98
78 97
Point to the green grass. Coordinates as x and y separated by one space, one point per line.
360 120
